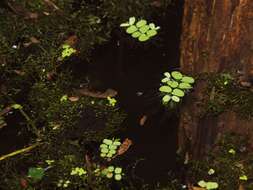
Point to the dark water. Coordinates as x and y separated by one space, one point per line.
135 72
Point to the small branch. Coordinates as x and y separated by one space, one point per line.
23 150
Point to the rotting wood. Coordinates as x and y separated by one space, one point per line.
216 36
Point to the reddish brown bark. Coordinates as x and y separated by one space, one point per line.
217 35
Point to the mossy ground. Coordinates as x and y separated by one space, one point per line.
70 130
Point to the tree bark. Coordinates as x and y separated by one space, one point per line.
217 35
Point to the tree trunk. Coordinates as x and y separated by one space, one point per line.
217 35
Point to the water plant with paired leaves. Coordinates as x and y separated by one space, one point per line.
140 29
174 87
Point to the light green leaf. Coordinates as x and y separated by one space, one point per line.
202 183
232 151
118 170
175 99
165 80
117 143
144 29
103 146
172 83
178 92
187 79
131 29
143 38
107 141
112 152
109 175
118 177
211 185
166 98
132 20
243 178
16 106
141 23
184 85
176 75
64 98
165 89
167 74
104 150
124 25
136 34
109 155
211 171
110 168
112 147
151 33
102 154
152 26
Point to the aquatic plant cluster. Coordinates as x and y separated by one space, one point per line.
141 29
174 87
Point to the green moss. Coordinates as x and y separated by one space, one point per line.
228 167
224 93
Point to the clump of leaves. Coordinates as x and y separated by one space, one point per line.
111 171
78 171
109 147
174 87
141 29
67 51
111 101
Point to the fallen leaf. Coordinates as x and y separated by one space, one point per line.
124 146
72 40
74 98
23 183
143 120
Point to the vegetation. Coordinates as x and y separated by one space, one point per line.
174 87
43 45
